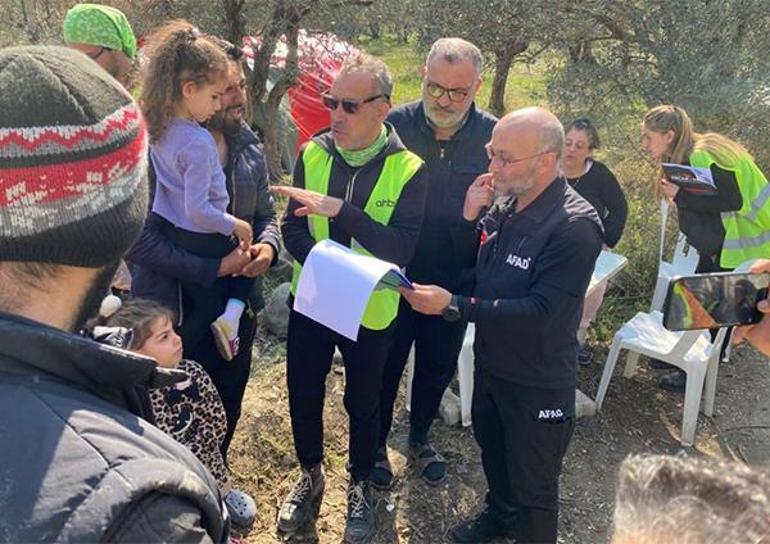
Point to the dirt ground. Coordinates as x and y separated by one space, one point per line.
636 417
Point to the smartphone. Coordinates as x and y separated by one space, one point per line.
721 299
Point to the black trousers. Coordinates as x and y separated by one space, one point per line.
310 349
523 433
437 344
230 378
198 312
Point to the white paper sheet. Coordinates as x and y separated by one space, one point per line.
335 286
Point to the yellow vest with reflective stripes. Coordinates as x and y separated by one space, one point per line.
747 231
398 169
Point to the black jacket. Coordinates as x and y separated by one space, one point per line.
77 462
700 215
157 264
530 279
451 167
602 190
394 242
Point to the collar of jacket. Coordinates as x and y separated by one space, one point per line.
465 131
394 144
540 208
240 139
29 348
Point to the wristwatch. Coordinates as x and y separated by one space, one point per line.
452 311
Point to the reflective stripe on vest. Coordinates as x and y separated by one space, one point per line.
747 233
398 169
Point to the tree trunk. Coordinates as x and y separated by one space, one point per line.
272 139
235 22
503 61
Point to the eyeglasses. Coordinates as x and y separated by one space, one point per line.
455 95
349 105
507 162
94 56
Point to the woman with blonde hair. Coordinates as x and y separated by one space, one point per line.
727 227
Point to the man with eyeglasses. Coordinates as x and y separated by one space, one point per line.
357 184
104 34
448 132
536 249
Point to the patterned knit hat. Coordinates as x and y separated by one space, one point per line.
73 149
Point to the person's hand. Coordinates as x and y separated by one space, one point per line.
669 189
244 233
426 299
232 263
478 196
312 202
758 335
262 257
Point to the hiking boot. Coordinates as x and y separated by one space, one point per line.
381 476
486 527
675 381
302 501
360 526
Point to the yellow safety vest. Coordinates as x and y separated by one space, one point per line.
747 231
398 169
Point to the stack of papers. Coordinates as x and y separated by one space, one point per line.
336 284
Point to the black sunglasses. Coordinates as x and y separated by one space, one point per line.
349 105
94 56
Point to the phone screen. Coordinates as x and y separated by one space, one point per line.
707 301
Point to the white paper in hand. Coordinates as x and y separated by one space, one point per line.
335 286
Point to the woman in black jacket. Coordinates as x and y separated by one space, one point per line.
598 185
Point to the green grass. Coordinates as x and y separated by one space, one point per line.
525 87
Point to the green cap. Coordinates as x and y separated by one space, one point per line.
103 26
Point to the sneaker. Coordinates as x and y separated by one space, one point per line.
675 381
381 476
360 525
225 338
583 356
242 510
302 500
486 527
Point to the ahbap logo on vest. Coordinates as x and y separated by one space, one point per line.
518 262
385 202
551 415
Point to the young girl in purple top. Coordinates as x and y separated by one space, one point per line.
186 77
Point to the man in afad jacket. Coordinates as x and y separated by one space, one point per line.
538 247
358 185
78 463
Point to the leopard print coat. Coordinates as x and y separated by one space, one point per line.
192 413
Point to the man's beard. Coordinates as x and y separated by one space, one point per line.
93 298
220 121
522 186
452 121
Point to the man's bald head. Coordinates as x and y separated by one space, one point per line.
535 123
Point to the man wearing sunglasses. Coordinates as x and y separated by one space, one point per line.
448 132
536 249
357 184
104 34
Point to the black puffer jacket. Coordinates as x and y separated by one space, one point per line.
77 463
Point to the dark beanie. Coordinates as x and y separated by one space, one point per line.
73 160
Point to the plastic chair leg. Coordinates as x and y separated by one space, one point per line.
409 378
710 388
692 396
631 361
609 367
465 377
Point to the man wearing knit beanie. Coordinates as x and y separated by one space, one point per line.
104 34
78 463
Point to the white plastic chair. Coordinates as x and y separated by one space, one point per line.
682 264
692 351
464 375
